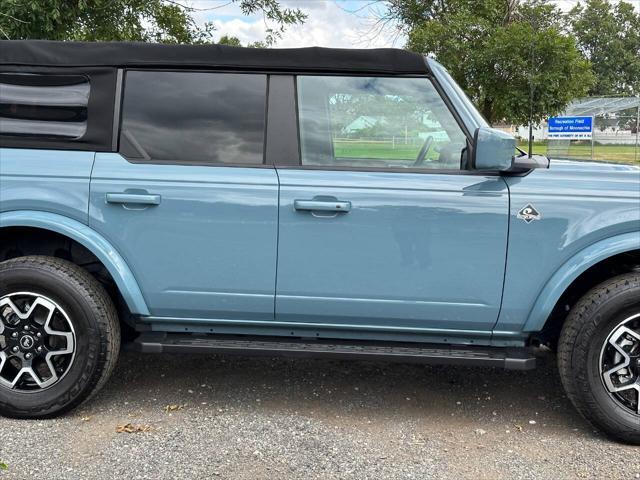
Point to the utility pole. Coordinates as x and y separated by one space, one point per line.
531 88
637 130
593 129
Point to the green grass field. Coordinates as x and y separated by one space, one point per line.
382 150
388 151
606 153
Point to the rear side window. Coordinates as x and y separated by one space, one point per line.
44 106
194 117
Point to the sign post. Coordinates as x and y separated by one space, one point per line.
592 139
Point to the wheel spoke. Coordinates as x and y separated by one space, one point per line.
3 360
619 358
26 362
67 335
615 341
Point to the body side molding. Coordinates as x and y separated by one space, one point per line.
90 239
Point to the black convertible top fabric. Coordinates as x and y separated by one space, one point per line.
127 54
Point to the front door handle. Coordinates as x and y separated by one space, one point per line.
133 198
321 205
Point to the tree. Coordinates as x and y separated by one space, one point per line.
609 36
501 52
164 21
235 42
228 40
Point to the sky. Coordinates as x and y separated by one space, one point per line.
330 23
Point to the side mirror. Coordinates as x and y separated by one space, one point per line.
493 149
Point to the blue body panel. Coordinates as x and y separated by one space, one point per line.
589 211
50 190
208 249
45 180
415 250
418 256
571 270
81 233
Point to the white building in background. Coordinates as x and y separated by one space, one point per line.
539 132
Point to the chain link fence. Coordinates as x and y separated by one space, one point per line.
616 131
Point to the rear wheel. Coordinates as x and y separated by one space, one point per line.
59 336
599 357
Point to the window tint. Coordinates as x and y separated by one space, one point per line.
377 122
43 105
194 117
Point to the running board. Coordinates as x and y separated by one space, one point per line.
509 358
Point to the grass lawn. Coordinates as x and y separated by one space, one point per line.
388 151
606 153
382 150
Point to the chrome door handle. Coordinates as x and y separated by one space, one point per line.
133 198
321 205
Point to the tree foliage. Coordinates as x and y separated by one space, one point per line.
609 36
391 115
163 21
500 52
235 42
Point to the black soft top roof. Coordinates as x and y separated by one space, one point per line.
135 54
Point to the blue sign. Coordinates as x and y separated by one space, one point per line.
571 128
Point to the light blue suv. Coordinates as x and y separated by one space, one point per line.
345 203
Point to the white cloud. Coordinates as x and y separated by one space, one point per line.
329 23
248 31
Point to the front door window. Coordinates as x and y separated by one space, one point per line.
377 122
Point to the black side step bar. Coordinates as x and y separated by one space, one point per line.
510 358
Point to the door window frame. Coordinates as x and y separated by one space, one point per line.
289 164
282 149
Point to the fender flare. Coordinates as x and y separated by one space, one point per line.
572 269
92 241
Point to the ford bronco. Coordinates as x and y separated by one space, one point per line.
345 203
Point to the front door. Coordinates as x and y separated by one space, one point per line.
188 201
381 226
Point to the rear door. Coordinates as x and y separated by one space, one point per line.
382 227
188 200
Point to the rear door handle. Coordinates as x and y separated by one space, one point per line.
321 205
133 198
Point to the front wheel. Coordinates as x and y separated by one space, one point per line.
59 336
599 357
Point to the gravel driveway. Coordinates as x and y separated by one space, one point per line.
253 418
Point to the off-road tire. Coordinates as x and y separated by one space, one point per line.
587 328
97 333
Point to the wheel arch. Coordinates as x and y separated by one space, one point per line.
87 237
578 274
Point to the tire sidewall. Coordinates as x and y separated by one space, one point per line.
62 290
607 316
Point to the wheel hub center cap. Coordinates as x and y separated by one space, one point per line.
27 342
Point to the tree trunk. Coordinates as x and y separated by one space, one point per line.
487 109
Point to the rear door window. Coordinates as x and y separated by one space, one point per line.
194 117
